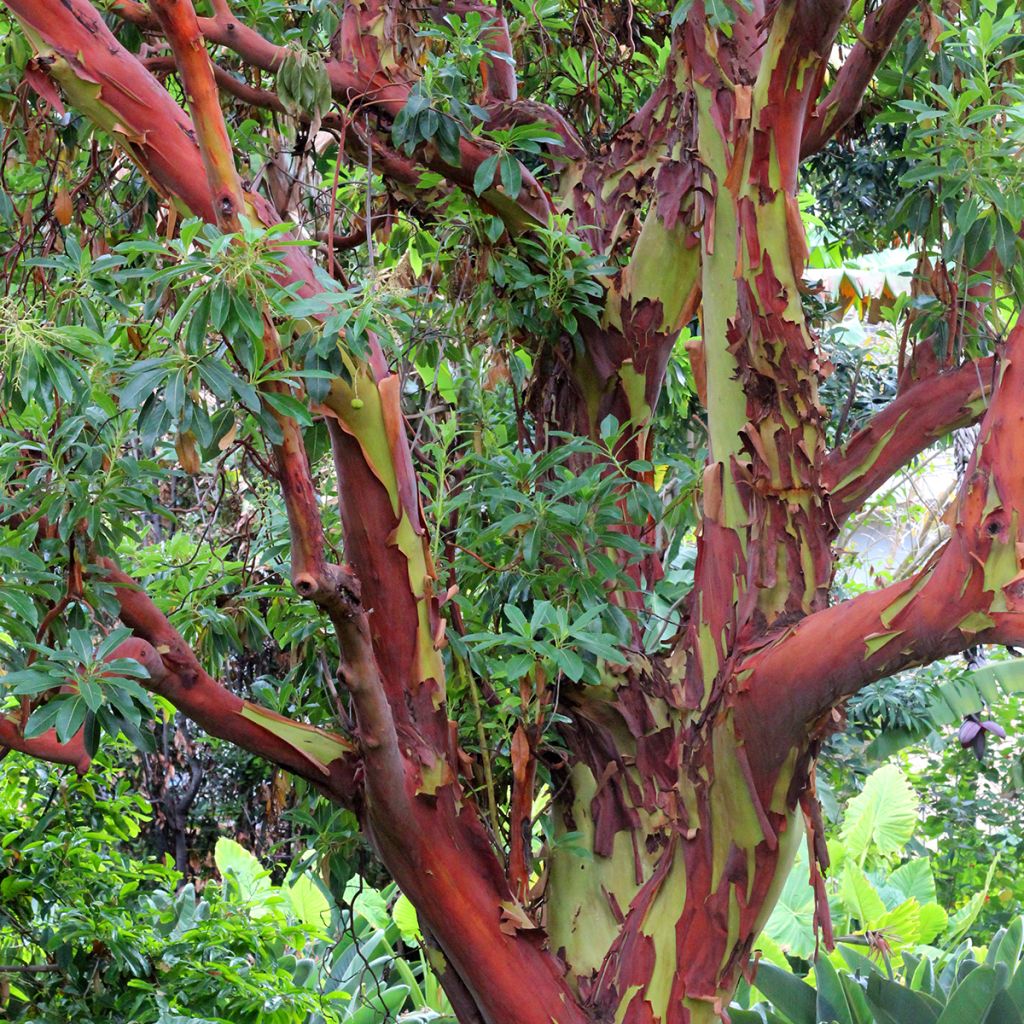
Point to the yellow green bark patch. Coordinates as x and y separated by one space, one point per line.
316 745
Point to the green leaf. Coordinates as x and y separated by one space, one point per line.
882 817
859 896
1004 1010
973 997
795 998
832 1004
914 880
289 405
1005 948
511 176
682 9
141 385
232 858
70 716
856 1000
485 174
367 903
42 719
308 902
896 1004
403 913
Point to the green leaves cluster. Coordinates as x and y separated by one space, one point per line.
565 538
545 284
106 697
720 14
526 139
303 85
876 887
127 945
976 985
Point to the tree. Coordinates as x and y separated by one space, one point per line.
684 780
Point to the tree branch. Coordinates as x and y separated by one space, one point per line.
364 82
323 758
847 93
250 94
910 423
133 108
972 592
180 26
178 20
45 747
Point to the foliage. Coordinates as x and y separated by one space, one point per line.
968 984
876 885
473 297
112 938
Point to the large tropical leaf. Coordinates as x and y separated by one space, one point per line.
882 817
832 1002
963 694
308 902
913 880
795 998
859 897
972 998
791 924
896 1004
253 879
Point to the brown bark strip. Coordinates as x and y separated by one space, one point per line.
908 425
972 592
216 709
178 20
847 93
524 769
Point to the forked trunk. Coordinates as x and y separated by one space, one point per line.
689 783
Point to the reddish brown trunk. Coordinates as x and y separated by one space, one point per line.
690 777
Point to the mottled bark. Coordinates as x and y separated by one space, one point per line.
691 777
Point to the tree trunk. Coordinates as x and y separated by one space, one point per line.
691 778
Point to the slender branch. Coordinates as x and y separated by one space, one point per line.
250 94
914 420
178 19
180 26
323 758
363 81
847 93
45 747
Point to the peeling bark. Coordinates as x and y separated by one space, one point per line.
691 777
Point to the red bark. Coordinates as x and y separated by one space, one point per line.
906 427
847 92
700 766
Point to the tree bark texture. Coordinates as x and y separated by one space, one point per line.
691 776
